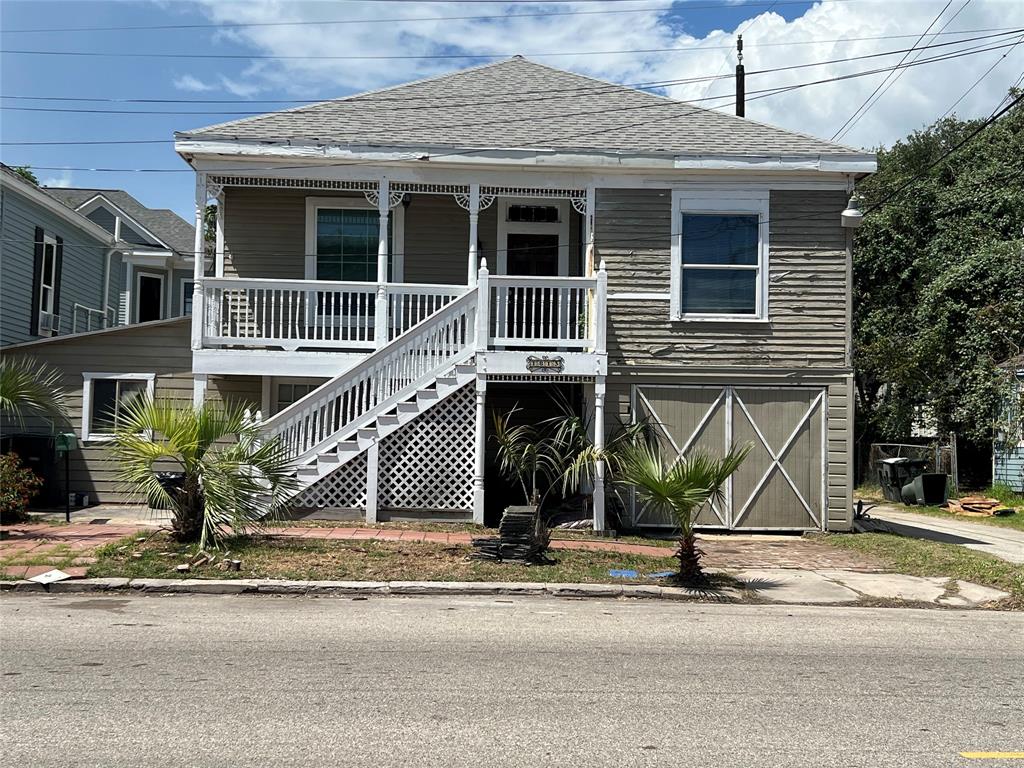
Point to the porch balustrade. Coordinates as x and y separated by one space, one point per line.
516 312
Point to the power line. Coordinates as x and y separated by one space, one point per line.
602 87
894 80
402 20
685 109
446 56
987 72
885 80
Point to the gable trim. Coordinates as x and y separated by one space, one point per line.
99 200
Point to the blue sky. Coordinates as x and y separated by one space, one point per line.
914 100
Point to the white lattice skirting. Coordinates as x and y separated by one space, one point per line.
425 465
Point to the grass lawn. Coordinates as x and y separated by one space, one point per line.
289 558
919 557
1004 494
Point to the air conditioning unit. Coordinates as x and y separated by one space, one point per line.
49 323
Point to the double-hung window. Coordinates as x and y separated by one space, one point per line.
104 398
719 258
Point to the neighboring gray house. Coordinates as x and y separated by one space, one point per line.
1008 446
156 275
60 271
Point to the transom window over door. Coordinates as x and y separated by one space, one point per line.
719 259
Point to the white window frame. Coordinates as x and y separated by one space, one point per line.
396 215
48 240
274 387
88 379
560 228
181 299
138 293
724 203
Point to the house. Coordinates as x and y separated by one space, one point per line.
1008 447
60 269
157 266
393 266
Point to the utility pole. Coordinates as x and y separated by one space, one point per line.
741 86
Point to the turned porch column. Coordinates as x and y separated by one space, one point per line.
198 254
474 217
599 510
381 313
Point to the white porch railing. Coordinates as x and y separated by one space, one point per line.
353 400
313 313
542 312
85 318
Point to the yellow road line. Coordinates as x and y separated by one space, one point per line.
993 755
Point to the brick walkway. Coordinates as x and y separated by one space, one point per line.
33 549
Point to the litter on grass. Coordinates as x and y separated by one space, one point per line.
622 573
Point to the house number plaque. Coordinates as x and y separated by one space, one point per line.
545 363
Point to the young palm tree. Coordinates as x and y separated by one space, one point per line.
232 481
30 388
680 488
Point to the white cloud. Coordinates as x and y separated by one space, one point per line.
62 181
192 84
919 96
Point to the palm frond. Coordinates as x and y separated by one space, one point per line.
30 387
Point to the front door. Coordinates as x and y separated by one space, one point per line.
150 304
532 254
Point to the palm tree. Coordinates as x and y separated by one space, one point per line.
680 487
30 388
526 455
231 480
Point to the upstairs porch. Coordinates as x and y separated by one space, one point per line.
316 274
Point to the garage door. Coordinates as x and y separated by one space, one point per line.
781 485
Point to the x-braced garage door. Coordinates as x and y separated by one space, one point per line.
781 484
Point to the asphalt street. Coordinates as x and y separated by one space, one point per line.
220 681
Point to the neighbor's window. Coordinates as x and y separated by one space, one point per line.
721 265
105 397
187 289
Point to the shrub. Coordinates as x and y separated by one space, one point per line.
18 485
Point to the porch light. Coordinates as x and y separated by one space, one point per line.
406 201
853 216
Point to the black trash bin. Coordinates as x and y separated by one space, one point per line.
897 472
172 483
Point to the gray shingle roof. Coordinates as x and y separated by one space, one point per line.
162 222
518 103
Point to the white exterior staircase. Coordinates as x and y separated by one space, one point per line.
353 412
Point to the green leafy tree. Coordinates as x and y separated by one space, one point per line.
231 480
939 279
26 173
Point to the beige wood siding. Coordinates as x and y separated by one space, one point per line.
162 349
807 286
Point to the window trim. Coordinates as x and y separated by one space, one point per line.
48 240
274 394
182 294
725 204
88 378
138 293
396 215
560 228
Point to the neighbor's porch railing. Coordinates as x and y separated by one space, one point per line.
85 318
315 313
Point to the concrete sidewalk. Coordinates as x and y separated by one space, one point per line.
1004 543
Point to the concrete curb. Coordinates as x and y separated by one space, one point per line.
376 588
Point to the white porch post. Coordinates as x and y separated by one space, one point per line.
380 328
219 265
474 217
483 307
372 468
601 311
599 511
588 231
199 384
481 450
198 313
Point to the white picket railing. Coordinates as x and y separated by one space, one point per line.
85 318
542 311
353 400
314 313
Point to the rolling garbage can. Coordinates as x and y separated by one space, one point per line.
171 482
928 489
897 472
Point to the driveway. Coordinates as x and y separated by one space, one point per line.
1004 543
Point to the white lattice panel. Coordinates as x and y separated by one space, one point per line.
344 488
428 463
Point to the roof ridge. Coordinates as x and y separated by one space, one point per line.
350 97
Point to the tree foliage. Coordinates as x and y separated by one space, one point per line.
939 279
26 173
